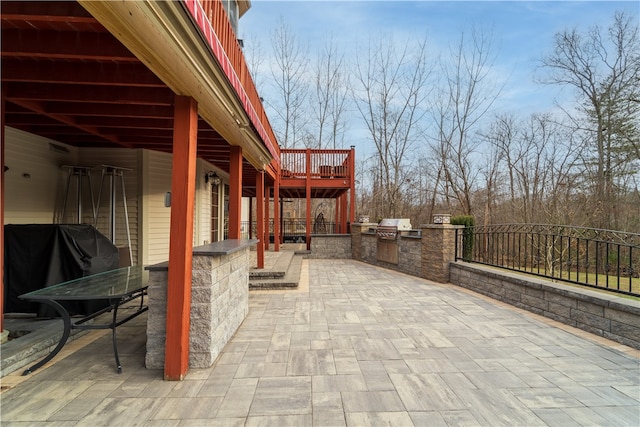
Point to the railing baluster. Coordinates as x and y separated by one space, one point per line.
569 258
597 262
618 270
578 260
607 266
631 271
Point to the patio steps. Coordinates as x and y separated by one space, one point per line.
37 338
284 274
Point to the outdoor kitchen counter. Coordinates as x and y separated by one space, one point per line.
219 301
215 249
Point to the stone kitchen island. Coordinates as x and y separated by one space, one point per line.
219 301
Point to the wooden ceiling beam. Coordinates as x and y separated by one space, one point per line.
107 110
92 94
38 108
75 72
63 45
125 122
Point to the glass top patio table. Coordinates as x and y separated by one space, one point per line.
117 286
112 284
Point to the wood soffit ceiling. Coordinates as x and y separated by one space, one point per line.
65 77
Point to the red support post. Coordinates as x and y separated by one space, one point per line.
308 195
259 217
235 192
343 213
2 108
250 217
267 229
276 215
183 182
352 185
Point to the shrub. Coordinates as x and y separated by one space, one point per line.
467 234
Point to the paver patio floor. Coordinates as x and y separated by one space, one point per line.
355 345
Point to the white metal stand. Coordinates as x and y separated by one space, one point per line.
112 173
78 173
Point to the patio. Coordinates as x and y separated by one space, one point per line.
353 345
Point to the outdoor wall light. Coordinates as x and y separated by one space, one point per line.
442 218
212 178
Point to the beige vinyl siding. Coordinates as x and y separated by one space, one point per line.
202 228
203 214
156 170
34 184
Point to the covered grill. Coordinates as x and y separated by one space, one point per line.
388 231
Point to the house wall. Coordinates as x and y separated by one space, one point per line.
156 170
39 198
156 218
35 184
202 211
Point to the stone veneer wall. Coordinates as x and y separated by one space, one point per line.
330 246
427 256
438 250
356 238
409 253
609 316
219 304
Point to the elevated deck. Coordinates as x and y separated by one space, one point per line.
324 173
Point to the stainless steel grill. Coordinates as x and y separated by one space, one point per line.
390 228
388 231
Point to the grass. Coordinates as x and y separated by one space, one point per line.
593 279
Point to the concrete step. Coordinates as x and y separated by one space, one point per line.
290 280
37 338
265 274
277 271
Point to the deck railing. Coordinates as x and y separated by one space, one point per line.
322 163
294 230
602 259
225 46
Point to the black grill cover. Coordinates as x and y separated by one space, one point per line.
40 255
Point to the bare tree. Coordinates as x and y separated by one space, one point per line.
390 95
289 74
255 57
467 94
604 69
539 164
491 172
331 94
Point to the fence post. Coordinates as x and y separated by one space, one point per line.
438 250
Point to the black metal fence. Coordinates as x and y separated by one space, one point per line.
602 259
294 230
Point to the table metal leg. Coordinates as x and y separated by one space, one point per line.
65 335
113 334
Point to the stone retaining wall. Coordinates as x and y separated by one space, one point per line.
609 316
426 255
409 253
219 304
330 246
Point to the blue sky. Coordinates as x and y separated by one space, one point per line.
523 31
